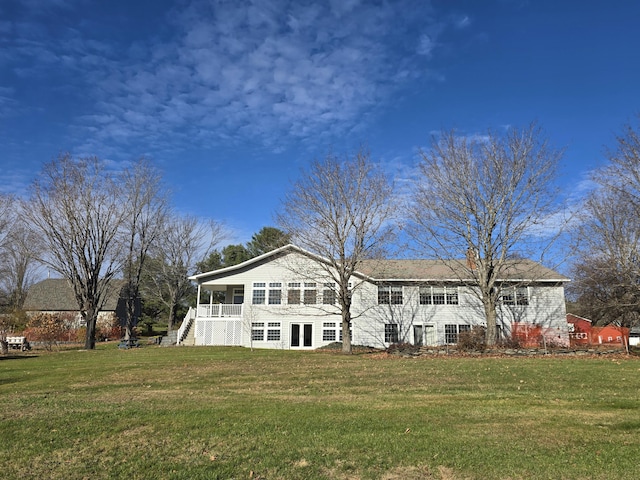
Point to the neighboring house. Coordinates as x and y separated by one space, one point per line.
286 299
634 336
55 296
579 330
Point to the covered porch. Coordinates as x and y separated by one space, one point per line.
218 301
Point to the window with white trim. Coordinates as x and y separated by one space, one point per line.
451 294
329 294
259 293
391 333
329 331
273 331
522 296
275 293
257 331
293 293
389 295
439 295
309 294
515 296
452 331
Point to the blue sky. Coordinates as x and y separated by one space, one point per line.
230 99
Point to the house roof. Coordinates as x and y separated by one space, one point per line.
256 260
56 294
409 270
454 270
574 317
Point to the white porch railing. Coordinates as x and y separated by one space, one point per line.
220 310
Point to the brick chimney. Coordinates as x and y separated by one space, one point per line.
471 258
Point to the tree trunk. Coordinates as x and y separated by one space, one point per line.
128 331
346 334
4 347
172 319
492 330
130 315
90 340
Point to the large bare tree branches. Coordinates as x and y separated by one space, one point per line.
18 261
183 242
146 202
607 269
483 197
341 209
76 207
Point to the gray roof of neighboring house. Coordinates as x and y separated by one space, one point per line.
56 294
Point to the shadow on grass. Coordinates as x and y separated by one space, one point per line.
16 357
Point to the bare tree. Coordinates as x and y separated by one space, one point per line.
340 209
480 200
6 219
18 264
7 216
146 203
76 208
607 267
183 242
7 222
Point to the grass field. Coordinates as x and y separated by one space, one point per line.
226 413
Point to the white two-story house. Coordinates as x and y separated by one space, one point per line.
287 299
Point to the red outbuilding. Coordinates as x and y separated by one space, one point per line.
579 330
582 333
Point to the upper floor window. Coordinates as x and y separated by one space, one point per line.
329 294
389 295
275 293
293 293
515 296
439 295
310 293
259 293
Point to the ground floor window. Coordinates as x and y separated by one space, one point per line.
257 331
451 332
273 331
391 333
329 332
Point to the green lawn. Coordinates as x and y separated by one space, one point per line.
223 413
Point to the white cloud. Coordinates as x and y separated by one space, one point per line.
269 71
426 45
462 21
